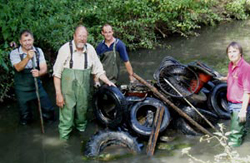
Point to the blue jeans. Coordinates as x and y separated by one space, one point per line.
235 107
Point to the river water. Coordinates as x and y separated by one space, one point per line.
26 144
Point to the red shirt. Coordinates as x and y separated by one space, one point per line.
238 81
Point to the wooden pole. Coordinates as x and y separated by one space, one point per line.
155 131
38 99
178 110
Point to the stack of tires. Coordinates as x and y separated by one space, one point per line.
124 117
126 112
115 110
197 83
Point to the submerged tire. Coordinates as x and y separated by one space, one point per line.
181 125
217 101
142 116
101 140
109 106
211 117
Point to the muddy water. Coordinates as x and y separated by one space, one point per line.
26 144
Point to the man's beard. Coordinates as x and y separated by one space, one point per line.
80 45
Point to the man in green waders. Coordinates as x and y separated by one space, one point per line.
76 61
21 59
109 51
238 93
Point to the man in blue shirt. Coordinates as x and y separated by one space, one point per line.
109 51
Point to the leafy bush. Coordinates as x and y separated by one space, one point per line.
237 9
6 80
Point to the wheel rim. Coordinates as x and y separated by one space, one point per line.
181 78
107 107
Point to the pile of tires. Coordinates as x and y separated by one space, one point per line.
112 109
197 83
131 110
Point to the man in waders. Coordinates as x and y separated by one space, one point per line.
22 59
76 60
238 92
109 51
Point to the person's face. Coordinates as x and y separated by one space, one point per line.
234 54
80 37
107 32
26 41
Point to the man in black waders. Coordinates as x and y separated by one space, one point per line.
109 51
23 58
76 61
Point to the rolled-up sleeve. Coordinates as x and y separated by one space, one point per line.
59 64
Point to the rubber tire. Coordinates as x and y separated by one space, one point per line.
211 117
152 104
181 125
101 140
208 87
116 103
177 78
168 60
217 101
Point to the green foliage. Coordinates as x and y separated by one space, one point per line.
138 23
51 21
6 80
185 15
237 9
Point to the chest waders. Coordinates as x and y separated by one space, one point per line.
75 90
111 63
26 91
237 128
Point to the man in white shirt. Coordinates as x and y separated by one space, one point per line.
75 62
